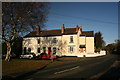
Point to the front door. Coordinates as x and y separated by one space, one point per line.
49 50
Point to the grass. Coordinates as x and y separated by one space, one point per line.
21 65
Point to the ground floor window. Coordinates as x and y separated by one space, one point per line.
44 49
24 50
54 50
38 50
29 50
71 49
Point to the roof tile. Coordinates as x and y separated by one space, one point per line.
46 33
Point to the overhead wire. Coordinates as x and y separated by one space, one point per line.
78 17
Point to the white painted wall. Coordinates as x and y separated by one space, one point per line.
82 40
63 44
65 49
32 43
89 44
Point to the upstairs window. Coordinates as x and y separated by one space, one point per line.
38 41
24 50
29 41
29 50
71 39
54 40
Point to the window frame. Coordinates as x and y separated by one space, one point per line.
71 49
38 50
38 41
29 41
54 40
54 50
44 49
29 50
71 39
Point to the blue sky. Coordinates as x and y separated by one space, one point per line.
96 16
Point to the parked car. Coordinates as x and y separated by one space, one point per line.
47 56
27 55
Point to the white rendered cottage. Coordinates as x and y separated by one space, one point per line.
61 42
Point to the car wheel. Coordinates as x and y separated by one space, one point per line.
20 57
30 57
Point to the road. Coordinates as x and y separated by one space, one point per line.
82 69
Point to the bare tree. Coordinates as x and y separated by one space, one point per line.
19 18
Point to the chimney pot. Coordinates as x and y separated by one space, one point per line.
81 29
38 30
77 28
63 29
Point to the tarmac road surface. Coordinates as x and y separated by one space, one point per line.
79 69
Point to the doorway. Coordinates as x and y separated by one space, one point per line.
49 50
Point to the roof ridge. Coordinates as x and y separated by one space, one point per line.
51 30
57 32
88 31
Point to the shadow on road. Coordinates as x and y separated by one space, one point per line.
112 74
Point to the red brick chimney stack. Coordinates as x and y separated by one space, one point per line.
77 28
38 30
62 29
81 29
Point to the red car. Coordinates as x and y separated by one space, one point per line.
47 56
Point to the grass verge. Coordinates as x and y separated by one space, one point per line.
21 65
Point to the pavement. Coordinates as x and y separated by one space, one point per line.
73 67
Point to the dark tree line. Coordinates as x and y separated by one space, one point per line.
113 48
99 42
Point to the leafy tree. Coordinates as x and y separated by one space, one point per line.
113 48
99 42
19 18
